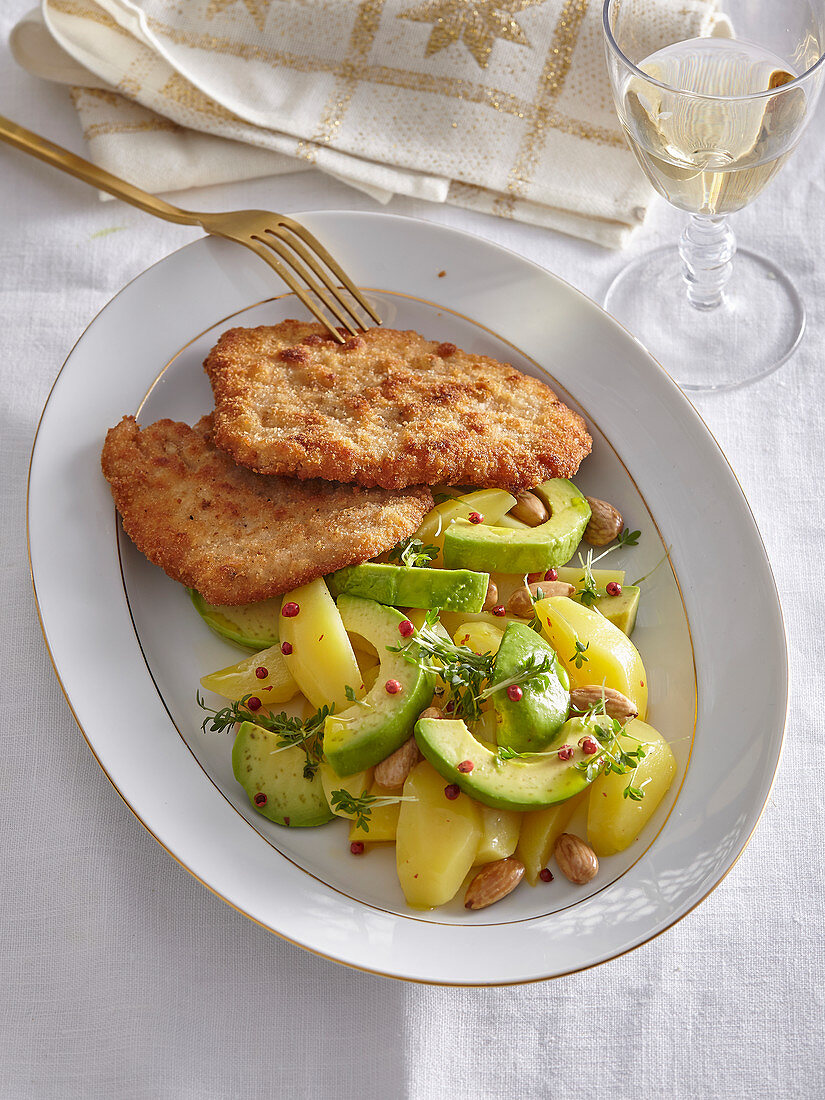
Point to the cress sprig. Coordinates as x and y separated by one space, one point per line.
613 756
291 730
360 806
413 553
467 674
589 591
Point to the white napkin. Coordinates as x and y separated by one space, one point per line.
502 106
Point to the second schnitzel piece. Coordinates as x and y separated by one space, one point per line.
235 536
386 408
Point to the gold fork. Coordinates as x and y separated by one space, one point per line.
268 235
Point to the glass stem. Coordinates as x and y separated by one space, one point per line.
707 248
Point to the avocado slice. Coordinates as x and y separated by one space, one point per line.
621 610
251 625
291 799
529 784
531 723
506 550
377 725
400 586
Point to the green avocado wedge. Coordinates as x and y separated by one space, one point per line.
262 769
530 723
506 550
621 610
533 783
377 725
400 586
251 625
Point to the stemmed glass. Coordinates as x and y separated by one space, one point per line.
711 121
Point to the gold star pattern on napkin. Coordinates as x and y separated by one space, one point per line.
258 9
478 23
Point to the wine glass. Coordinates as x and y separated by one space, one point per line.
711 121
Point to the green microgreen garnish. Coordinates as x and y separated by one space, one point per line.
465 673
613 757
349 691
590 591
413 553
578 657
291 730
361 806
536 671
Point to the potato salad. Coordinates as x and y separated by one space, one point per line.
460 698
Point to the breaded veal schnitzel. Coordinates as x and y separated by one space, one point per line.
386 408
236 536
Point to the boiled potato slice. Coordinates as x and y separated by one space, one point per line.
610 657
355 784
242 679
437 839
615 822
499 834
479 637
322 660
490 503
382 822
540 829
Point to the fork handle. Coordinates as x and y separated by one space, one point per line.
84 170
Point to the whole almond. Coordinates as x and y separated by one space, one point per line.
576 859
491 599
551 588
529 509
391 773
521 601
432 712
605 524
616 705
494 882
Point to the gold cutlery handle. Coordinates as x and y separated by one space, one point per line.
61 158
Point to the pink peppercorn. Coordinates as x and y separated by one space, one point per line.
405 628
466 766
286 648
499 609
393 687
475 517
546 875
551 575
260 799
290 610
452 790
613 589
253 702
357 847
588 746
565 752
514 693
261 672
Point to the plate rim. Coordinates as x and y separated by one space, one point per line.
687 407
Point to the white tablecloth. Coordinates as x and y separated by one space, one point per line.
121 976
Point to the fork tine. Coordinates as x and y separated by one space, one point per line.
289 258
309 258
266 255
313 242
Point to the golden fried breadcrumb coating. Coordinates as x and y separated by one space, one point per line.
387 408
236 536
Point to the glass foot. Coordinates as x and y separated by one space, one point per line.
758 326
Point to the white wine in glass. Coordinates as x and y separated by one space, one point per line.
711 121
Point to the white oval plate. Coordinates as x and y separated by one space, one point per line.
129 650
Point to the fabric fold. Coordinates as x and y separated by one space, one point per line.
502 106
